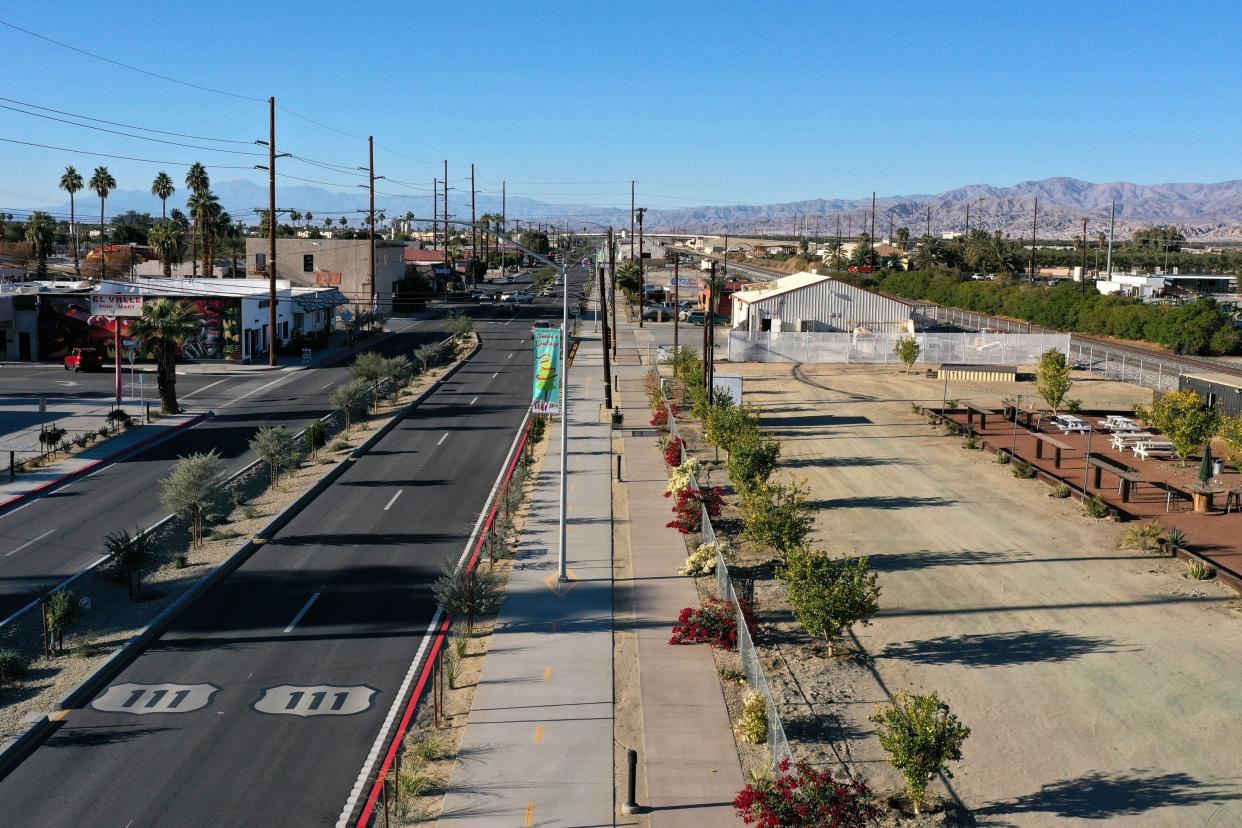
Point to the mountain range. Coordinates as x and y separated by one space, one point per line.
1204 212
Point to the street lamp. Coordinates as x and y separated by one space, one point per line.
642 287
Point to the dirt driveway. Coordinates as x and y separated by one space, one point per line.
1099 684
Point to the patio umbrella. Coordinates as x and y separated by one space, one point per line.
1205 467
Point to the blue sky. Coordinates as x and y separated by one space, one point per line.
701 103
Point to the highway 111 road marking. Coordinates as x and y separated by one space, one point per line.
154 698
315 700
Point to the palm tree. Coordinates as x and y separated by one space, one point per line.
344 221
102 183
199 182
167 239
327 223
162 187
295 216
205 209
164 325
221 230
309 218
41 234
71 182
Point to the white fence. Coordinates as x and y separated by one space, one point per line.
878 348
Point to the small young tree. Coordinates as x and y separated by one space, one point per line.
400 369
427 355
315 435
458 325
908 350
60 609
127 555
1231 432
351 398
192 491
829 595
1052 378
776 516
369 367
921 736
471 594
752 459
278 447
1184 418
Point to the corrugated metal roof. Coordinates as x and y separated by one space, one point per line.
781 285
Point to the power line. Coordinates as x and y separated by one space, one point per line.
130 134
120 157
131 68
128 126
315 181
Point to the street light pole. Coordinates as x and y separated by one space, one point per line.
642 281
271 232
561 576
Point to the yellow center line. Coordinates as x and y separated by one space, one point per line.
538 734
547 673
530 815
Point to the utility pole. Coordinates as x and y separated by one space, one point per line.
873 256
707 385
968 219
1084 257
929 221
642 279
640 316
612 288
504 225
474 231
1034 223
1112 224
607 365
676 298
271 231
435 212
371 214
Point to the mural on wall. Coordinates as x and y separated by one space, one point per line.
65 322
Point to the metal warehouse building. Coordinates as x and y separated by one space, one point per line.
1220 391
808 302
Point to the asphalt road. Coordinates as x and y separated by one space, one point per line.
283 674
55 536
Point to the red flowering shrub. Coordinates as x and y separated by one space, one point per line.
689 516
806 797
715 623
659 417
672 451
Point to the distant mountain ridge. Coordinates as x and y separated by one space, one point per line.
1204 212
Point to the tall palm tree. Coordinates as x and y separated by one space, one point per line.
344 221
198 182
309 218
162 187
327 223
102 184
222 230
165 324
71 182
40 232
204 209
167 239
295 216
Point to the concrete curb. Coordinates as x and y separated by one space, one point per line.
16 750
105 460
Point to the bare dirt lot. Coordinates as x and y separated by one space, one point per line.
1099 684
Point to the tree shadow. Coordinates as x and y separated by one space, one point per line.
997 649
1101 795
79 736
845 462
881 502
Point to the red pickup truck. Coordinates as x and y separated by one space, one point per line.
84 359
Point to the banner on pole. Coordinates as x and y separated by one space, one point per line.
546 388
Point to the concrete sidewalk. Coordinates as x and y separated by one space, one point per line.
538 746
689 758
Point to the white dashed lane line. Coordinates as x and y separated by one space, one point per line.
29 543
442 439
394 499
302 612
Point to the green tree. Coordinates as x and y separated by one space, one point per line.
40 234
162 188
278 447
370 367
1052 378
908 350
102 184
60 609
167 240
776 516
164 325
131 227
71 182
1184 418
1230 431
921 736
192 490
351 398
127 555
198 182
459 325
628 278
470 593
829 595
752 459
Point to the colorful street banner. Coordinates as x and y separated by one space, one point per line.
546 389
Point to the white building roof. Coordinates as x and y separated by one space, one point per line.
781 285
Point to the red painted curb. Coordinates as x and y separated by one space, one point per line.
103 461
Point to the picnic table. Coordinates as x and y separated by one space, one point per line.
1126 476
1123 440
1056 445
1115 422
1146 449
972 409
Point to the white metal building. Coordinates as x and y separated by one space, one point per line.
809 302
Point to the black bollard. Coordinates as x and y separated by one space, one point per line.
630 806
618 468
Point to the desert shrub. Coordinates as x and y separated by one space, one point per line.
1002 458
1023 471
13 666
1060 490
192 491
351 398
1095 507
1145 537
1073 406
672 452
127 555
971 441
119 418
690 505
702 561
1199 571
468 593
715 623
1175 539
681 475
752 727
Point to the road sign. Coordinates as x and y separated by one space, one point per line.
115 304
315 700
154 698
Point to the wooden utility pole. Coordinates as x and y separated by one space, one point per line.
676 297
371 214
607 363
1084 257
271 231
474 231
612 288
435 211
504 226
632 207
642 276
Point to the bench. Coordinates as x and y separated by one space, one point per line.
972 409
1127 477
1056 445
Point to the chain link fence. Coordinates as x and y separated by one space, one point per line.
880 348
778 745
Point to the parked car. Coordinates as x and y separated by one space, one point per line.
84 359
699 317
